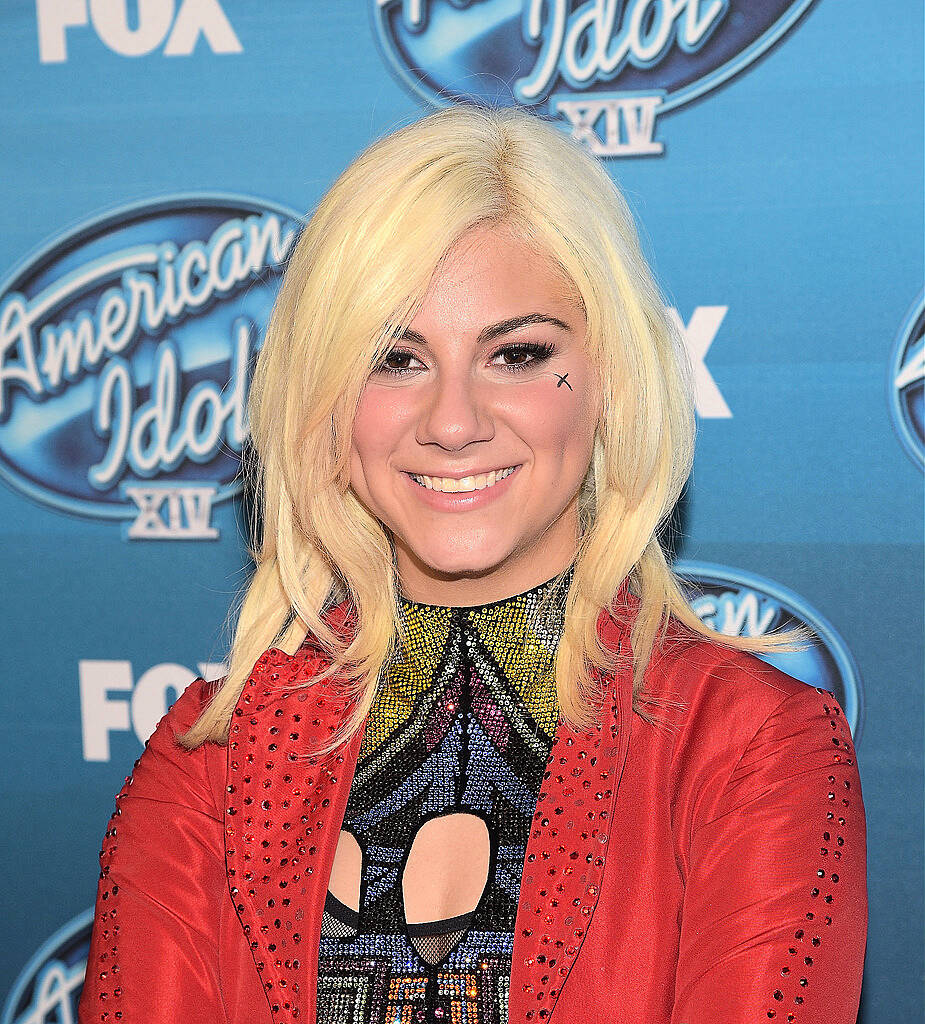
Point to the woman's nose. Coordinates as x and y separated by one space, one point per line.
455 414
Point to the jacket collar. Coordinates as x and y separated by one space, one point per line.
284 810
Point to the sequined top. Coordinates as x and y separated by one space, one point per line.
419 916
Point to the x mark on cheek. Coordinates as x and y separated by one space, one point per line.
562 380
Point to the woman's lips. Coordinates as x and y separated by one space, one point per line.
464 484
461 500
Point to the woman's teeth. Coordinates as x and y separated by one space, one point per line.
468 483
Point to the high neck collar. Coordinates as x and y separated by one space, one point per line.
552 591
514 639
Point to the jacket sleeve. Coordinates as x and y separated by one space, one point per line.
153 955
775 909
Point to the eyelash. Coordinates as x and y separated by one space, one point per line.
539 351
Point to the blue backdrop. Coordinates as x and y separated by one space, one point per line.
157 158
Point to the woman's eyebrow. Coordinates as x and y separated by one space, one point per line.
506 326
494 330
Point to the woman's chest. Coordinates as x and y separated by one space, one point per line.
286 815
425 883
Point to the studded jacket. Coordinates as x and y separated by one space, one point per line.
710 867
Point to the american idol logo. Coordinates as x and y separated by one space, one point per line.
610 69
736 603
126 348
907 382
49 986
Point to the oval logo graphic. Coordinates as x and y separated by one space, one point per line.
738 603
907 382
49 986
609 69
126 348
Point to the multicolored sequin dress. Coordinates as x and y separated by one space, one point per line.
449 773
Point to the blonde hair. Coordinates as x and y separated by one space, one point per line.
358 273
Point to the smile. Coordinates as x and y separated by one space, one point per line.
448 485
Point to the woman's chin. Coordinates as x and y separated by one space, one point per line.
447 564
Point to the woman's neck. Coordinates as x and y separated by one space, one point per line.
419 584
529 593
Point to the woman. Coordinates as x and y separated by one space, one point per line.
505 773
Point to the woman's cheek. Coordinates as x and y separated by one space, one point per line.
380 417
370 441
554 411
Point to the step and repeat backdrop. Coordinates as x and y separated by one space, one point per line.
158 158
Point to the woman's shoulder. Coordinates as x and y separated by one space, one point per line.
701 667
731 730
183 713
167 770
719 697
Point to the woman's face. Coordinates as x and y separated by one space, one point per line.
492 377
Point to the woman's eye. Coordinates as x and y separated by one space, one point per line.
516 357
523 355
397 362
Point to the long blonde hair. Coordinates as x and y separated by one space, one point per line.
360 270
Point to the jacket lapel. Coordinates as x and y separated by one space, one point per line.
284 812
283 816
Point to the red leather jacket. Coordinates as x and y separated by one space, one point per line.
708 869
